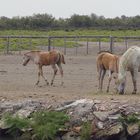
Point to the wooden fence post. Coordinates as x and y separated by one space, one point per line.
65 45
126 44
30 43
7 45
99 44
111 44
76 42
87 46
49 43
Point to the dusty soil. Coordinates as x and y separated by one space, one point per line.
80 81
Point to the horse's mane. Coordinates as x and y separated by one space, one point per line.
33 51
104 52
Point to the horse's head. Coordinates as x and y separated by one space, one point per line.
26 59
120 85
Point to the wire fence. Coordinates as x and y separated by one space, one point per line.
69 45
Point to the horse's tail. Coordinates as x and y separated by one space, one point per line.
62 59
99 57
117 63
99 61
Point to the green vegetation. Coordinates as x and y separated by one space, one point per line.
44 125
48 22
18 44
130 119
16 124
86 131
75 32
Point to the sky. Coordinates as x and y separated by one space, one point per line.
66 8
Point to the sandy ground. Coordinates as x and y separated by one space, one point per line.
17 82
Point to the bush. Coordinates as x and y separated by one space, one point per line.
16 124
86 131
44 125
47 124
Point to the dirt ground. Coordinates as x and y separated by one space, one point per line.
17 82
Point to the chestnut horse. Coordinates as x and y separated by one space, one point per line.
41 59
106 61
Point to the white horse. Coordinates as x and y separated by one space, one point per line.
129 61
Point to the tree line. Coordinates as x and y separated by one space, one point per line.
47 21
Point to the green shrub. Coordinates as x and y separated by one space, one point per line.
44 125
16 123
129 119
86 131
47 124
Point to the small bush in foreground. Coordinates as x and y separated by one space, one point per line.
86 131
44 124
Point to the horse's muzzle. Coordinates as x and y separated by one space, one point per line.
121 92
24 64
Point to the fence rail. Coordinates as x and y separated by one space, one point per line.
50 39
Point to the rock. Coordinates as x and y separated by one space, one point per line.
109 132
97 101
77 129
114 117
133 129
75 121
83 109
13 107
24 113
3 125
102 116
74 104
100 125
71 136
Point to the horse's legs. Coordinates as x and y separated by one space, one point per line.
41 73
61 72
134 76
99 78
55 71
109 80
102 77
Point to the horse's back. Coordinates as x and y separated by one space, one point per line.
51 57
131 58
107 60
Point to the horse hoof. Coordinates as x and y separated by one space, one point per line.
36 83
121 93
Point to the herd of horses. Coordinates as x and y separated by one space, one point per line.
117 66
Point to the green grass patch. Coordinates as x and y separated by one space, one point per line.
44 125
86 131
129 119
21 44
